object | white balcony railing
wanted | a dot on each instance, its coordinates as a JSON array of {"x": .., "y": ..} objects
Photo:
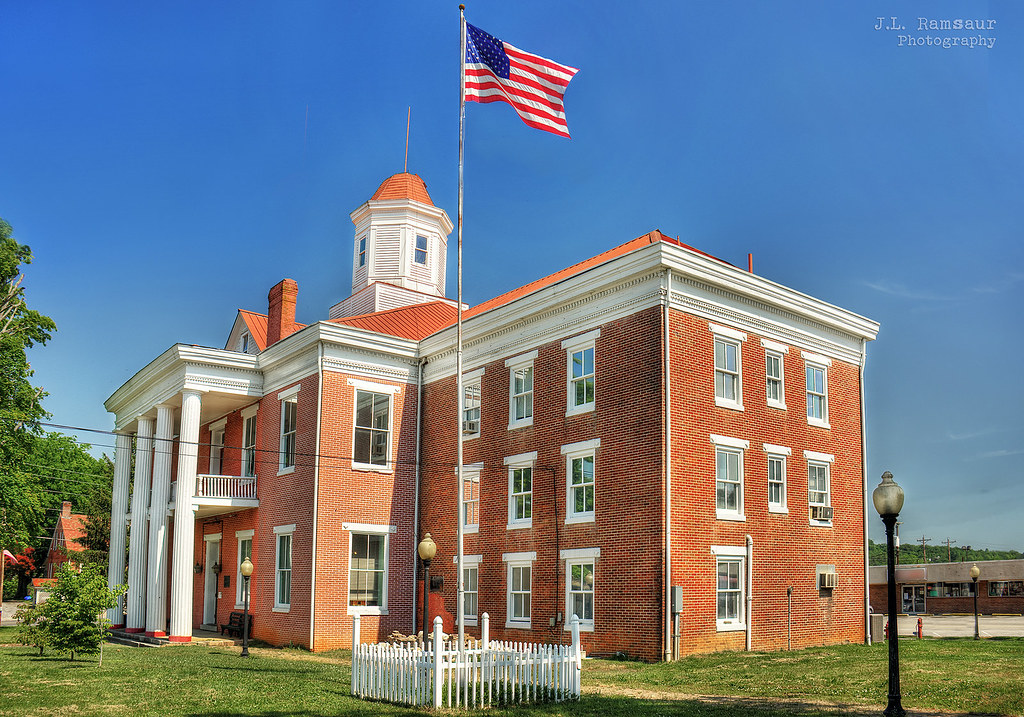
[{"x": 211, "y": 486}]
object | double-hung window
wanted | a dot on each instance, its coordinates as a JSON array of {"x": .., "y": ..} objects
[
  {"x": 368, "y": 568},
  {"x": 819, "y": 489},
  {"x": 217, "y": 447},
  {"x": 519, "y": 576},
  {"x": 816, "y": 369},
  {"x": 580, "y": 372},
  {"x": 471, "y": 497},
  {"x": 283, "y": 568},
  {"x": 471, "y": 404},
  {"x": 729, "y": 477},
  {"x": 579, "y": 469},
  {"x": 774, "y": 354},
  {"x": 776, "y": 456},
  {"x": 244, "y": 551},
  {"x": 420, "y": 253},
  {"x": 289, "y": 417},
  {"x": 361, "y": 252},
  {"x": 728, "y": 366},
  {"x": 249, "y": 442},
  {"x": 371, "y": 447},
  {"x": 579, "y": 586},
  {"x": 729, "y": 591},
  {"x": 520, "y": 490},
  {"x": 470, "y": 586},
  {"x": 521, "y": 390}
]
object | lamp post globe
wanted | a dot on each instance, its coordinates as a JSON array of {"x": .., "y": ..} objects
[
  {"x": 427, "y": 549},
  {"x": 975, "y": 574},
  {"x": 888, "y": 500},
  {"x": 246, "y": 569}
]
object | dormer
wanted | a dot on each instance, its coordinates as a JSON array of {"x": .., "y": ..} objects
[{"x": 401, "y": 238}]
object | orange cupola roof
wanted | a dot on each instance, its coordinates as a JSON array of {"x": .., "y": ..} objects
[{"x": 403, "y": 186}]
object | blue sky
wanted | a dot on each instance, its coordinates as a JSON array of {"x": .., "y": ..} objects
[{"x": 169, "y": 162}]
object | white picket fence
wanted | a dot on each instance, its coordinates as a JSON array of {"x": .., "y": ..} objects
[{"x": 482, "y": 674}]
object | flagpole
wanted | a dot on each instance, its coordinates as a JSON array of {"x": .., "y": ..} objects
[{"x": 458, "y": 332}]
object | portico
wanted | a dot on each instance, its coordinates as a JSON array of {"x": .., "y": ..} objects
[{"x": 160, "y": 411}]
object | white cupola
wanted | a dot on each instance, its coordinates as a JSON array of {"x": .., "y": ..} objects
[{"x": 401, "y": 242}]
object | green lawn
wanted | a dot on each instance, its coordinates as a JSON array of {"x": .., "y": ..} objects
[{"x": 952, "y": 675}]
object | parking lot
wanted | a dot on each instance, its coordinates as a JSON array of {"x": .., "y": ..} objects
[{"x": 962, "y": 625}]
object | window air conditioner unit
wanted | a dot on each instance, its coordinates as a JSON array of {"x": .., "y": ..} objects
[
  {"x": 826, "y": 581},
  {"x": 470, "y": 427},
  {"x": 821, "y": 512}
]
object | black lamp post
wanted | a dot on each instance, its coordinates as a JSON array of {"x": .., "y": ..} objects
[
  {"x": 888, "y": 500},
  {"x": 246, "y": 570},
  {"x": 427, "y": 549},
  {"x": 975, "y": 574}
]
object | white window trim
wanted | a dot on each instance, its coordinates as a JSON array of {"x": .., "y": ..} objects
[
  {"x": 290, "y": 392},
  {"x": 473, "y": 469},
  {"x": 742, "y": 446},
  {"x": 570, "y": 346},
  {"x": 369, "y": 529},
  {"x": 468, "y": 381},
  {"x": 522, "y": 460},
  {"x": 369, "y": 387},
  {"x": 782, "y": 507},
  {"x": 289, "y": 396},
  {"x": 240, "y": 535},
  {"x": 250, "y": 411},
  {"x": 473, "y": 561},
  {"x": 517, "y": 560},
  {"x": 578, "y": 556},
  {"x": 512, "y": 364},
  {"x": 731, "y": 553},
  {"x": 824, "y": 363},
  {"x": 280, "y": 530},
  {"x": 771, "y": 347},
  {"x": 582, "y": 449},
  {"x": 734, "y": 337},
  {"x": 219, "y": 425},
  {"x": 826, "y": 459}
]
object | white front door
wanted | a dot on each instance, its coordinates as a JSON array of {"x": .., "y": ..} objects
[{"x": 210, "y": 584}]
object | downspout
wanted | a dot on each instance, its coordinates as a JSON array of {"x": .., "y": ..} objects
[
  {"x": 750, "y": 586},
  {"x": 316, "y": 488},
  {"x": 416, "y": 499},
  {"x": 668, "y": 652},
  {"x": 867, "y": 500}
]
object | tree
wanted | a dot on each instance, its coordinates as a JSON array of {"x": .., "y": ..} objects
[
  {"x": 21, "y": 407},
  {"x": 73, "y": 619}
]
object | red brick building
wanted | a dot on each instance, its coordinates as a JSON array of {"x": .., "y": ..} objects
[
  {"x": 67, "y": 532},
  {"x": 654, "y": 439},
  {"x": 944, "y": 588}
]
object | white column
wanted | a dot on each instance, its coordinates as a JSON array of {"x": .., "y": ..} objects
[
  {"x": 182, "y": 577},
  {"x": 118, "y": 529},
  {"x": 139, "y": 536},
  {"x": 156, "y": 584}
]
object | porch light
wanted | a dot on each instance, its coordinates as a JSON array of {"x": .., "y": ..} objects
[{"x": 198, "y": 568}]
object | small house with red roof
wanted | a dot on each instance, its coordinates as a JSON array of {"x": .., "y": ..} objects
[
  {"x": 68, "y": 531},
  {"x": 666, "y": 445}
]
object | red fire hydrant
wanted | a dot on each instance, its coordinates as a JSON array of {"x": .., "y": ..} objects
[
  {"x": 886, "y": 629},
  {"x": 920, "y": 628}
]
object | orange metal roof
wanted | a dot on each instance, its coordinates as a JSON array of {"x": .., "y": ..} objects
[
  {"x": 257, "y": 324},
  {"x": 72, "y": 529},
  {"x": 403, "y": 186},
  {"x": 408, "y": 322},
  {"x": 650, "y": 238}
]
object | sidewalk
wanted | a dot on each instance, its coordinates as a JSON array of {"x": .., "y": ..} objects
[
  {"x": 10, "y": 607},
  {"x": 962, "y": 625}
]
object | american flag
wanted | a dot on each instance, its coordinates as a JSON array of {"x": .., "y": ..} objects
[{"x": 498, "y": 72}]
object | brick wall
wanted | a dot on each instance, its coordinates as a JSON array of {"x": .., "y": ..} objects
[{"x": 987, "y": 605}]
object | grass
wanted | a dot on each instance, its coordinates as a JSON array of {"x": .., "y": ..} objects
[{"x": 952, "y": 675}]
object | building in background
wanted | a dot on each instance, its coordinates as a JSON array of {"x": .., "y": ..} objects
[
  {"x": 943, "y": 588},
  {"x": 64, "y": 545},
  {"x": 655, "y": 440}
]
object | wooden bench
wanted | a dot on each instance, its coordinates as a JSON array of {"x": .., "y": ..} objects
[{"x": 234, "y": 625}]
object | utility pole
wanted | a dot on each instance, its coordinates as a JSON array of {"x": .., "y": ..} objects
[
  {"x": 967, "y": 553},
  {"x": 949, "y": 550},
  {"x": 897, "y": 542},
  {"x": 924, "y": 549}
]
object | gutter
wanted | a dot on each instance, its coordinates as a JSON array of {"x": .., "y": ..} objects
[
  {"x": 668, "y": 652},
  {"x": 316, "y": 487},
  {"x": 416, "y": 499},
  {"x": 867, "y": 499}
]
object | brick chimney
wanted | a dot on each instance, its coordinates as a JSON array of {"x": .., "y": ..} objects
[
  {"x": 281, "y": 310},
  {"x": 65, "y": 509}
]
